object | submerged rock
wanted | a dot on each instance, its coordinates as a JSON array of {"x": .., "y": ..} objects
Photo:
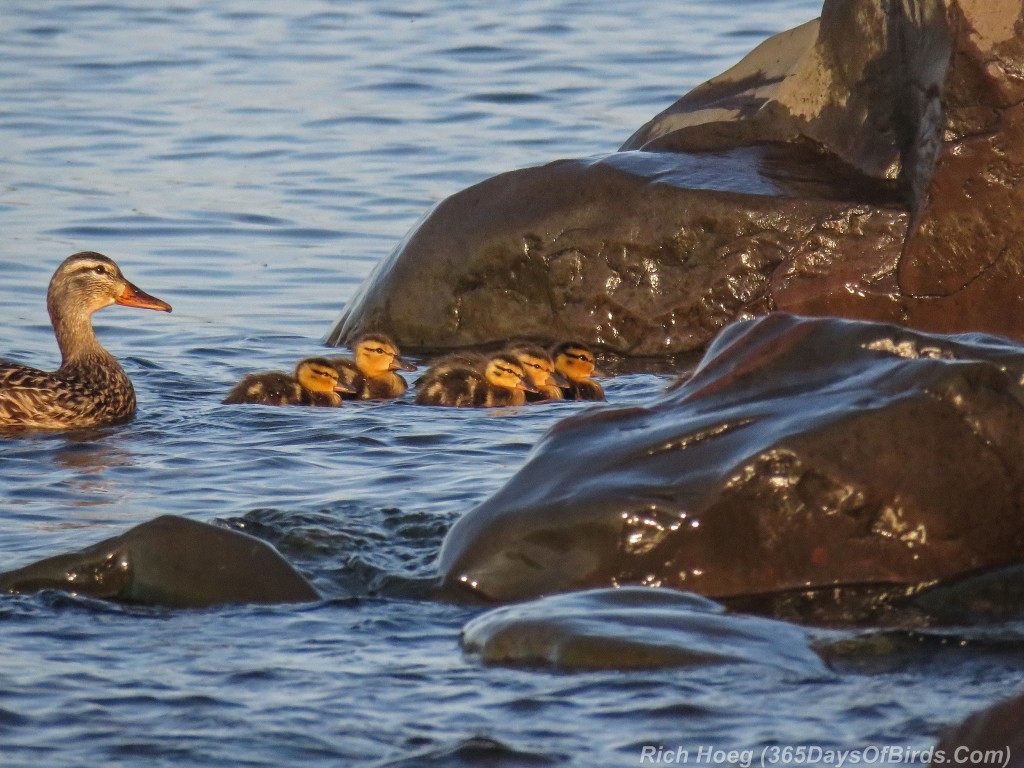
[
  {"x": 170, "y": 561},
  {"x": 634, "y": 628},
  {"x": 803, "y": 453},
  {"x": 785, "y": 183}
]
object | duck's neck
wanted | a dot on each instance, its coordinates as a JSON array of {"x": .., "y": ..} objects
[{"x": 75, "y": 337}]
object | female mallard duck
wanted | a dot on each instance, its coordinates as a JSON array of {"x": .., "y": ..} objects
[
  {"x": 371, "y": 375},
  {"x": 90, "y": 388},
  {"x": 576, "y": 362},
  {"x": 315, "y": 382},
  {"x": 452, "y": 382},
  {"x": 540, "y": 370}
]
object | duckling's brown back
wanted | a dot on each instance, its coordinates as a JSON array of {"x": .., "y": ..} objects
[
  {"x": 273, "y": 388},
  {"x": 451, "y": 385},
  {"x": 583, "y": 389}
]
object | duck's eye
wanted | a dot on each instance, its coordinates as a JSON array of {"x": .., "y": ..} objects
[
  {"x": 379, "y": 351},
  {"x": 99, "y": 269}
]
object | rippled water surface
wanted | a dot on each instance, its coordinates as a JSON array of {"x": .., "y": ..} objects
[{"x": 249, "y": 162}]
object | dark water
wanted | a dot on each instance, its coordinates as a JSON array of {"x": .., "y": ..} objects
[{"x": 250, "y": 163}]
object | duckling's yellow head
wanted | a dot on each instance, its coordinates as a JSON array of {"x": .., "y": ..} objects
[
  {"x": 376, "y": 355},
  {"x": 574, "y": 360},
  {"x": 539, "y": 368},
  {"x": 505, "y": 371},
  {"x": 317, "y": 375}
]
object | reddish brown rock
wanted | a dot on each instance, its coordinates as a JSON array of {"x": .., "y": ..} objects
[
  {"x": 170, "y": 561},
  {"x": 784, "y": 183},
  {"x": 542, "y": 256},
  {"x": 803, "y": 453},
  {"x": 993, "y": 737}
]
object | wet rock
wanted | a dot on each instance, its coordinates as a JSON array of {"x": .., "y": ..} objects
[
  {"x": 616, "y": 252},
  {"x": 633, "y": 628},
  {"x": 473, "y": 752},
  {"x": 963, "y": 263},
  {"x": 992, "y": 737},
  {"x": 170, "y": 561},
  {"x": 786, "y": 183},
  {"x": 802, "y": 453}
]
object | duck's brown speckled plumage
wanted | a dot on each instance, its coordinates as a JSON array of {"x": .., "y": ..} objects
[
  {"x": 314, "y": 383},
  {"x": 90, "y": 388},
  {"x": 371, "y": 375},
  {"x": 457, "y": 382},
  {"x": 575, "y": 361}
]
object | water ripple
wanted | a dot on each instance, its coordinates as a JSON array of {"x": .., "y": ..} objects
[{"x": 251, "y": 164}]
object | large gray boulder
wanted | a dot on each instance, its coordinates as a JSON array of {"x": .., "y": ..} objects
[{"x": 868, "y": 164}]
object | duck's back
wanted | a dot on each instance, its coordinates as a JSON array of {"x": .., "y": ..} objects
[
  {"x": 72, "y": 396},
  {"x": 495, "y": 397},
  {"x": 586, "y": 389},
  {"x": 463, "y": 386},
  {"x": 273, "y": 388},
  {"x": 451, "y": 385}
]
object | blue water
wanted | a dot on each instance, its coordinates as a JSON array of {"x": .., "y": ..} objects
[{"x": 250, "y": 162}]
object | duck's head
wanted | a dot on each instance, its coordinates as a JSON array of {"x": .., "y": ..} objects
[
  {"x": 377, "y": 355},
  {"x": 538, "y": 365},
  {"x": 505, "y": 371},
  {"x": 317, "y": 375},
  {"x": 89, "y": 281},
  {"x": 575, "y": 361}
]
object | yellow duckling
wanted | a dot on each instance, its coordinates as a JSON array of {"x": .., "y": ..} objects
[
  {"x": 576, "y": 362},
  {"x": 540, "y": 370},
  {"x": 371, "y": 375},
  {"x": 502, "y": 382},
  {"x": 90, "y": 388},
  {"x": 315, "y": 382}
]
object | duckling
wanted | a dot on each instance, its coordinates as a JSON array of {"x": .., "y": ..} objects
[
  {"x": 540, "y": 370},
  {"x": 576, "y": 362},
  {"x": 503, "y": 382},
  {"x": 371, "y": 375},
  {"x": 315, "y": 382},
  {"x": 90, "y": 388}
]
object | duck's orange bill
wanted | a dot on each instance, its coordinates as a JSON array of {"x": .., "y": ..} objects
[{"x": 133, "y": 296}]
